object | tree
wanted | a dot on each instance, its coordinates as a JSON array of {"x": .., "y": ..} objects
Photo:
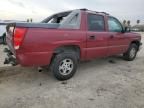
[
  {"x": 124, "y": 21},
  {"x": 27, "y": 20},
  {"x": 138, "y": 21},
  {"x": 128, "y": 22},
  {"x": 128, "y": 25},
  {"x": 31, "y": 20}
]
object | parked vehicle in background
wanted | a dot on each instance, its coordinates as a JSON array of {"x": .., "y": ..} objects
[
  {"x": 62, "y": 40},
  {"x": 3, "y": 25},
  {"x": 138, "y": 28},
  {"x": 2, "y": 33},
  {"x": 135, "y": 29}
]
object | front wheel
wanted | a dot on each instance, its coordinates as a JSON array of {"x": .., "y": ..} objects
[
  {"x": 64, "y": 65},
  {"x": 131, "y": 53}
]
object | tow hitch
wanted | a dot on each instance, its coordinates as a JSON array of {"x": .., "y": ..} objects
[{"x": 10, "y": 59}]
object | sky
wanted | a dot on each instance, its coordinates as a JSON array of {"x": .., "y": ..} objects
[{"x": 40, "y": 9}]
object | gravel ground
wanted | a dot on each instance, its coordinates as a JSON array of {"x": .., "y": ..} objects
[
  {"x": 102, "y": 83},
  {"x": 2, "y": 56}
]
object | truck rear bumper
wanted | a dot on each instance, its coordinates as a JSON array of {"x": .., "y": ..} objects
[
  {"x": 28, "y": 59},
  {"x": 10, "y": 59},
  {"x": 34, "y": 58}
]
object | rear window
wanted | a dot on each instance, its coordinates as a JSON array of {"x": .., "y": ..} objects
[
  {"x": 66, "y": 20},
  {"x": 72, "y": 21},
  {"x": 96, "y": 23}
]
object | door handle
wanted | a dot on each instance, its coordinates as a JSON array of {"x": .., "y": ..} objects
[
  {"x": 92, "y": 37},
  {"x": 121, "y": 37},
  {"x": 111, "y": 36}
]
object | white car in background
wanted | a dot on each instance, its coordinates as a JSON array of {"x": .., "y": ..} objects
[
  {"x": 2, "y": 32},
  {"x": 3, "y": 25}
]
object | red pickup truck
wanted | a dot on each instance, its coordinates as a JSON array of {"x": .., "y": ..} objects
[{"x": 63, "y": 39}]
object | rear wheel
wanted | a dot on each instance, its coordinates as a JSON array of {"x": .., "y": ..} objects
[
  {"x": 131, "y": 53},
  {"x": 64, "y": 65}
]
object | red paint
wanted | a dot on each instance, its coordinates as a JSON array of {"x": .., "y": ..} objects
[{"x": 38, "y": 44}]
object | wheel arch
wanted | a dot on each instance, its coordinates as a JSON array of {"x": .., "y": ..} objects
[
  {"x": 136, "y": 42},
  {"x": 65, "y": 48}
]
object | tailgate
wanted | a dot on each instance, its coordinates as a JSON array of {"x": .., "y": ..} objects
[
  {"x": 9, "y": 37},
  {"x": 16, "y": 33}
]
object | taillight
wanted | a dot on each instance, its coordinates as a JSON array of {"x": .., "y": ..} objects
[{"x": 19, "y": 34}]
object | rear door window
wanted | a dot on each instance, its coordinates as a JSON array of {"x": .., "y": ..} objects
[{"x": 96, "y": 23}]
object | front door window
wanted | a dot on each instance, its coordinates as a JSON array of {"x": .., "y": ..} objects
[{"x": 114, "y": 25}]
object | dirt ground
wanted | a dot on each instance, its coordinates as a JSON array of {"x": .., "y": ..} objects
[{"x": 100, "y": 83}]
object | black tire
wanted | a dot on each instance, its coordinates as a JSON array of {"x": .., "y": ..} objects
[
  {"x": 128, "y": 56},
  {"x": 58, "y": 62}
]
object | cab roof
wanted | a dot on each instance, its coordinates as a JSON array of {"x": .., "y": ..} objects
[{"x": 90, "y": 11}]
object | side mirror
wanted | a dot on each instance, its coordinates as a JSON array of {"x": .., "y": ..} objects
[{"x": 126, "y": 29}]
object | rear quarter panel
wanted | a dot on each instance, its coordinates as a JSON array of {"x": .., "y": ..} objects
[{"x": 39, "y": 44}]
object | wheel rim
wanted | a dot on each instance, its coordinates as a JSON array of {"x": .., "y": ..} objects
[
  {"x": 66, "y": 66},
  {"x": 132, "y": 53}
]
